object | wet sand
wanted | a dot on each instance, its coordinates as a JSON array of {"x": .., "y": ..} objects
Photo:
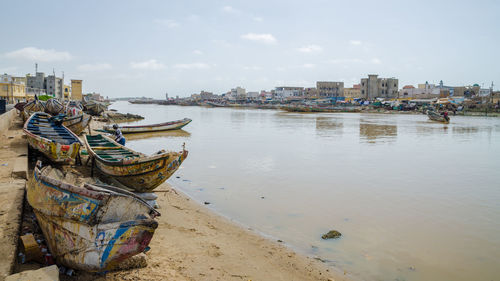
[{"x": 193, "y": 243}]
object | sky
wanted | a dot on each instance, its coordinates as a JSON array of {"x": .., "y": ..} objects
[{"x": 149, "y": 48}]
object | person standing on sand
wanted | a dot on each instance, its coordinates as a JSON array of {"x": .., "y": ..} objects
[{"x": 119, "y": 138}]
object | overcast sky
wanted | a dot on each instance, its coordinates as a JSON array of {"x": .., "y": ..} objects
[{"x": 147, "y": 48}]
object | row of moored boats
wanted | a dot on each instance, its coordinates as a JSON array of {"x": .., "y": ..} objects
[{"x": 95, "y": 226}]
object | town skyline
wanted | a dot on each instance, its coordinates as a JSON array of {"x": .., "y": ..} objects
[{"x": 149, "y": 49}]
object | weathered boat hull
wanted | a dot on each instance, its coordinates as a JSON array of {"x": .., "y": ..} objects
[
  {"x": 95, "y": 248},
  {"x": 77, "y": 123},
  {"x": 139, "y": 172},
  {"x": 174, "y": 125},
  {"x": 90, "y": 228},
  {"x": 32, "y": 107},
  {"x": 53, "y": 107},
  {"x": 438, "y": 118},
  {"x": 55, "y": 147}
]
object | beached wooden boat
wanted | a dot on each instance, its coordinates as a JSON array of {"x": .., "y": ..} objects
[
  {"x": 95, "y": 108},
  {"x": 32, "y": 107},
  {"x": 434, "y": 116},
  {"x": 77, "y": 123},
  {"x": 90, "y": 227},
  {"x": 53, "y": 107},
  {"x": 172, "y": 125},
  {"x": 134, "y": 170},
  {"x": 53, "y": 140}
]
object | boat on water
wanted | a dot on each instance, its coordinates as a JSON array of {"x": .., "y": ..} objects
[
  {"x": 136, "y": 171},
  {"x": 77, "y": 123},
  {"x": 89, "y": 227},
  {"x": 434, "y": 116},
  {"x": 172, "y": 125},
  {"x": 51, "y": 138}
]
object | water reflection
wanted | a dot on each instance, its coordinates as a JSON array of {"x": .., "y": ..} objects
[
  {"x": 430, "y": 131},
  {"x": 373, "y": 133},
  {"x": 327, "y": 126}
]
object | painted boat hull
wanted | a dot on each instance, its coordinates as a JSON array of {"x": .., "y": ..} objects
[
  {"x": 90, "y": 228},
  {"x": 141, "y": 173},
  {"x": 437, "y": 118},
  {"x": 32, "y": 107},
  {"x": 77, "y": 123},
  {"x": 174, "y": 125},
  {"x": 52, "y": 149},
  {"x": 53, "y": 107}
]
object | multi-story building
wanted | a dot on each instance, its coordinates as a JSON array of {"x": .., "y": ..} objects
[
  {"x": 206, "y": 95},
  {"x": 12, "y": 89},
  {"x": 237, "y": 93},
  {"x": 374, "y": 87},
  {"x": 286, "y": 92},
  {"x": 37, "y": 81},
  {"x": 67, "y": 92},
  {"x": 353, "y": 93},
  {"x": 330, "y": 89},
  {"x": 424, "y": 91},
  {"x": 54, "y": 86},
  {"x": 76, "y": 90}
]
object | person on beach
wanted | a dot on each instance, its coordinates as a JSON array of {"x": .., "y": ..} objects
[{"x": 119, "y": 138}]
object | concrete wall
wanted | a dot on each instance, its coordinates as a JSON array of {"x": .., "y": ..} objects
[{"x": 6, "y": 119}]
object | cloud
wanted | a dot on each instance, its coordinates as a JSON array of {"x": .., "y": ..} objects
[
  {"x": 167, "y": 23},
  {"x": 196, "y": 65},
  {"x": 308, "y": 65},
  {"x": 149, "y": 64},
  {"x": 355, "y": 60},
  {"x": 355, "y": 42},
  {"x": 258, "y": 19},
  {"x": 35, "y": 54},
  {"x": 229, "y": 9},
  {"x": 310, "y": 49},
  {"x": 193, "y": 17},
  {"x": 94, "y": 67},
  {"x": 197, "y": 52},
  {"x": 252, "y": 68},
  {"x": 262, "y": 37}
]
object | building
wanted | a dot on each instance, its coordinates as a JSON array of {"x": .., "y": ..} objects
[
  {"x": 54, "y": 86},
  {"x": 237, "y": 93},
  {"x": 374, "y": 87},
  {"x": 76, "y": 90},
  {"x": 330, "y": 89},
  {"x": 287, "y": 92},
  {"x": 353, "y": 93},
  {"x": 11, "y": 89},
  {"x": 423, "y": 91},
  {"x": 37, "y": 81},
  {"x": 253, "y": 95},
  {"x": 206, "y": 95},
  {"x": 67, "y": 92}
]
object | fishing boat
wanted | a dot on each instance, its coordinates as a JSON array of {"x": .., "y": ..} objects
[
  {"x": 434, "y": 116},
  {"x": 77, "y": 123},
  {"x": 51, "y": 138},
  {"x": 89, "y": 227},
  {"x": 32, "y": 107},
  {"x": 95, "y": 108},
  {"x": 172, "y": 125},
  {"x": 53, "y": 107},
  {"x": 133, "y": 169}
]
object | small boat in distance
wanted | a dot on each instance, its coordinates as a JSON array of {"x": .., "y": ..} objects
[
  {"x": 434, "y": 116},
  {"x": 172, "y": 125},
  {"x": 133, "y": 169},
  {"x": 90, "y": 227},
  {"x": 51, "y": 138}
]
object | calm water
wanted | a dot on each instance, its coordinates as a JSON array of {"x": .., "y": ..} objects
[{"x": 413, "y": 199}]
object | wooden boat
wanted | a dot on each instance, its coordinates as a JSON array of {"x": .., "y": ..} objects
[
  {"x": 434, "y": 116},
  {"x": 32, "y": 107},
  {"x": 172, "y": 125},
  {"x": 95, "y": 108},
  {"x": 91, "y": 228},
  {"x": 134, "y": 170},
  {"x": 53, "y": 107},
  {"x": 77, "y": 123},
  {"x": 53, "y": 140}
]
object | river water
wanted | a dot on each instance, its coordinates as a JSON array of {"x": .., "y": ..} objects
[{"x": 413, "y": 199}]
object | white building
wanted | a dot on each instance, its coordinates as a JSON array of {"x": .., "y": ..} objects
[{"x": 286, "y": 92}]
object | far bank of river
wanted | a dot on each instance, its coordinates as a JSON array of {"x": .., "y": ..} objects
[{"x": 414, "y": 199}]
